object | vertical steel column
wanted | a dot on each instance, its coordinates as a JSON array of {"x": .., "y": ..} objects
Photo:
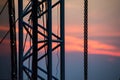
[
  {"x": 11, "y": 8},
  {"x": 36, "y": 5},
  {"x": 62, "y": 34},
  {"x": 49, "y": 28},
  {"x": 20, "y": 12},
  {"x": 35, "y": 39},
  {"x": 85, "y": 39}
]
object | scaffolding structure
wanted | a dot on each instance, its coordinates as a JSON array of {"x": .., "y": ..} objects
[
  {"x": 40, "y": 36},
  {"x": 11, "y": 8},
  {"x": 37, "y": 40}
]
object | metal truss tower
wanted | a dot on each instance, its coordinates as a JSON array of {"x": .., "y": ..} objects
[
  {"x": 11, "y": 9},
  {"x": 37, "y": 40}
]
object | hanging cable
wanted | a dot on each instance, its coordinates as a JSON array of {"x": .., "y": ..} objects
[
  {"x": 4, "y": 36},
  {"x": 57, "y": 52},
  {"x": 3, "y": 7},
  {"x": 45, "y": 48}
]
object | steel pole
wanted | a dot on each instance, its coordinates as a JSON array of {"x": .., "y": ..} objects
[
  {"x": 62, "y": 34},
  {"x": 11, "y": 9},
  {"x": 20, "y": 12},
  {"x": 35, "y": 39},
  {"x": 49, "y": 30}
]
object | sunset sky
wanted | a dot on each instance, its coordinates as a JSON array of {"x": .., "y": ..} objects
[
  {"x": 103, "y": 26},
  {"x": 103, "y": 38}
]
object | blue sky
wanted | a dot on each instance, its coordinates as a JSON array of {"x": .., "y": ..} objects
[{"x": 104, "y": 37}]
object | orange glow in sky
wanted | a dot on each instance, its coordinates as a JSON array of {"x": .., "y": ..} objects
[
  {"x": 103, "y": 29},
  {"x": 74, "y": 44}
]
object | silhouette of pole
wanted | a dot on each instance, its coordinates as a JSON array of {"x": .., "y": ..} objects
[
  {"x": 11, "y": 8},
  {"x": 20, "y": 12},
  {"x": 85, "y": 39},
  {"x": 49, "y": 29},
  {"x": 62, "y": 34},
  {"x": 35, "y": 39},
  {"x": 36, "y": 10}
]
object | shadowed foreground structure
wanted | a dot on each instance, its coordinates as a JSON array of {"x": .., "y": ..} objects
[
  {"x": 37, "y": 40},
  {"x": 38, "y": 28}
]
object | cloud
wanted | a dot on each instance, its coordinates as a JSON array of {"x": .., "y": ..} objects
[
  {"x": 103, "y": 24},
  {"x": 107, "y": 14},
  {"x": 4, "y": 28},
  {"x": 99, "y": 43},
  {"x": 74, "y": 12},
  {"x": 97, "y": 47}
]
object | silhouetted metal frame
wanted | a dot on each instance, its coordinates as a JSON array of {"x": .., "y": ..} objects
[
  {"x": 35, "y": 38},
  {"x": 62, "y": 45},
  {"x": 48, "y": 42},
  {"x": 11, "y": 9},
  {"x": 20, "y": 13}
]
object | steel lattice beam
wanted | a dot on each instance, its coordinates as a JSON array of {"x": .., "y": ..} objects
[
  {"x": 35, "y": 39},
  {"x": 12, "y": 24},
  {"x": 39, "y": 40}
]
